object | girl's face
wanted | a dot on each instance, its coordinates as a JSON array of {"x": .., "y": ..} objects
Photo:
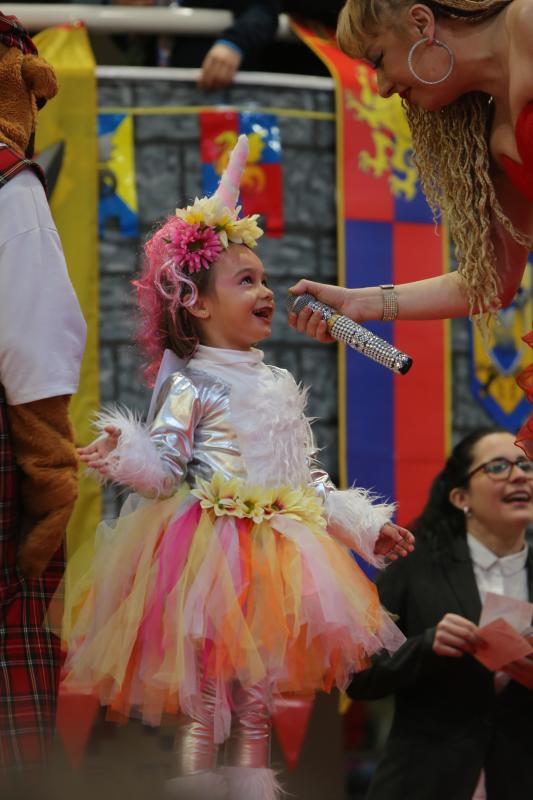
[
  {"x": 238, "y": 309},
  {"x": 498, "y": 502}
]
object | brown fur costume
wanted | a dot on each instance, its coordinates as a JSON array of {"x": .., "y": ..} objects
[
  {"x": 42, "y": 437},
  {"x": 23, "y": 79}
]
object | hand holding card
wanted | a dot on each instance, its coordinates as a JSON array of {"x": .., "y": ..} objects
[{"x": 504, "y": 627}]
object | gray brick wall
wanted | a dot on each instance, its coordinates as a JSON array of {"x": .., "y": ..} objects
[{"x": 168, "y": 174}]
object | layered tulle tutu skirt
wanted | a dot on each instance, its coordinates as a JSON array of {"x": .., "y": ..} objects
[{"x": 207, "y": 586}]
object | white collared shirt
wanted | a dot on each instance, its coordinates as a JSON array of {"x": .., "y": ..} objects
[{"x": 506, "y": 575}]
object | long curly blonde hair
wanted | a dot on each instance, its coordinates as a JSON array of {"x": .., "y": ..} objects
[{"x": 450, "y": 148}]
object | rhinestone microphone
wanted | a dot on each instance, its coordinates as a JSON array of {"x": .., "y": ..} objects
[{"x": 344, "y": 329}]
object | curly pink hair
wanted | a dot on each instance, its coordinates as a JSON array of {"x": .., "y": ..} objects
[{"x": 164, "y": 293}]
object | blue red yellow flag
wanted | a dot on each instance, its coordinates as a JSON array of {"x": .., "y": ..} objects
[{"x": 261, "y": 186}]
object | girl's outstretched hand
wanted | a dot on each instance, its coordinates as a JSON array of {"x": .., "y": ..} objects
[
  {"x": 394, "y": 542},
  {"x": 95, "y": 454}
]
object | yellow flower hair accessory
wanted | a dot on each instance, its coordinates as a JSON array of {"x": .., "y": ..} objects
[{"x": 208, "y": 213}]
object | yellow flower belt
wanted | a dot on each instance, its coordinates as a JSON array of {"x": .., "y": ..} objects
[{"x": 236, "y": 498}]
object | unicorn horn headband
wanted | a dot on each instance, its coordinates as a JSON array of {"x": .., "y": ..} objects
[
  {"x": 210, "y": 224},
  {"x": 228, "y": 188}
]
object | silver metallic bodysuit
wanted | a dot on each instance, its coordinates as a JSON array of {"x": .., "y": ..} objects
[{"x": 243, "y": 420}]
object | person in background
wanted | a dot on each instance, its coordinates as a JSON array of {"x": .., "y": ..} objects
[
  {"x": 255, "y": 25},
  {"x": 240, "y": 45},
  {"x": 459, "y": 730},
  {"x": 250, "y": 42}
]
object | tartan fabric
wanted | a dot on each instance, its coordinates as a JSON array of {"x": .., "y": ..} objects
[
  {"x": 30, "y": 656},
  {"x": 11, "y": 164},
  {"x": 12, "y": 34}
]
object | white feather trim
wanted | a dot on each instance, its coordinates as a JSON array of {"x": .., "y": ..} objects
[
  {"x": 252, "y": 783},
  {"x": 274, "y": 434},
  {"x": 355, "y": 519},
  {"x": 135, "y": 461},
  {"x": 200, "y": 786}
]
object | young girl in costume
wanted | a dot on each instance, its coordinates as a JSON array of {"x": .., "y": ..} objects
[{"x": 228, "y": 577}]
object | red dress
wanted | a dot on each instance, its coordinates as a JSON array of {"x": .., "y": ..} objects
[{"x": 522, "y": 177}]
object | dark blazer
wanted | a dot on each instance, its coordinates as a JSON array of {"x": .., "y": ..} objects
[{"x": 449, "y": 723}]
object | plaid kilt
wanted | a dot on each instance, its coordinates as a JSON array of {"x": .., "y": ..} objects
[{"x": 30, "y": 656}]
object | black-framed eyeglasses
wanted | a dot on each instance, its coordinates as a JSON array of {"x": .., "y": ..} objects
[{"x": 499, "y": 469}]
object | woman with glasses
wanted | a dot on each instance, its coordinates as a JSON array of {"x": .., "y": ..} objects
[{"x": 459, "y": 731}]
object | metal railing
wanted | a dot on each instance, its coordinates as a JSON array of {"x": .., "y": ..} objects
[{"x": 131, "y": 19}]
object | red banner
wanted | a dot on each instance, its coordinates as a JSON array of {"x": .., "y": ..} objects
[{"x": 290, "y": 718}]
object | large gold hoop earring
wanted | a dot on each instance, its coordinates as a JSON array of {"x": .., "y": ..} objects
[{"x": 439, "y": 44}]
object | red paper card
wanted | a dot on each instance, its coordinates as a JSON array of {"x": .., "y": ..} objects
[{"x": 503, "y": 645}]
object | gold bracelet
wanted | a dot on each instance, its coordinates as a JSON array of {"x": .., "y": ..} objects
[{"x": 390, "y": 302}]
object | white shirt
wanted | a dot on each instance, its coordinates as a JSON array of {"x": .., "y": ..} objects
[
  {"x": 506, "y": 575},
  {"x": 42, "y": 330},
  {"x": 234, "y": 367}
]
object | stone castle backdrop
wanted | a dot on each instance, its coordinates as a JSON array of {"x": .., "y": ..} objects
[{"x": 169, "y": 174}]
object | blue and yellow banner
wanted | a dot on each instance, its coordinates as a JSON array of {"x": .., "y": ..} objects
[{"x": 117, "y": 187}]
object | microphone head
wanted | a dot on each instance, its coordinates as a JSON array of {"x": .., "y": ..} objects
[
  {"x": 297, "y": 302},
  {"x": 404, "y": 364}
]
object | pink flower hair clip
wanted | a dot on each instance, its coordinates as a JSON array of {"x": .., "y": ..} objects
[{"x": 194, "y": 246}]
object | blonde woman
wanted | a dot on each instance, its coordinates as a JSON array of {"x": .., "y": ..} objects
[{"x": 464, "y": 69}]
